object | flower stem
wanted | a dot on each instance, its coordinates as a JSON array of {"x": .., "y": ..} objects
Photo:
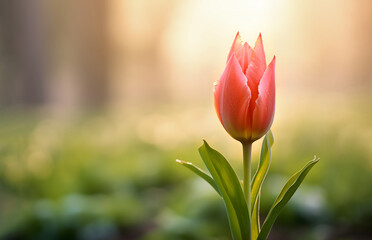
[{"x": 247, "y": 150}]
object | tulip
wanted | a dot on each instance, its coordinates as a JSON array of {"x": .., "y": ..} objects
[
  {"x": 245, "y": 93},
  {"x": 245, "y": 103}
]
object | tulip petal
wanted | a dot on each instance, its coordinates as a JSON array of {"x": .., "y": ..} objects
[
  {"x": 236, "y": 46},
  {"x": 243, "y": 52},
  {"x": 257, "y": 65},
  {"x": 232, "y": 97},
  {"x": 263, "y": 113},
  {"x": 246, "y": 57}
]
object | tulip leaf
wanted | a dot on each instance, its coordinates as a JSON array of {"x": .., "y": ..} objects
[
  {"x": 255, "y": 224},
  {"x": 200, "y": 173},
  {"x": 231, "y": 191},
  {"x": 258, "y": 178},
  {"x": 285, "y": 195}
]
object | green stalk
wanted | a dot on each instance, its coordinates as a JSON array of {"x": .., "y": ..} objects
[{"x": 247, "y": 150}]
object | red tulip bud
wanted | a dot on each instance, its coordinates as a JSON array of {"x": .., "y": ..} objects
[{"x": 244, "y": 96}]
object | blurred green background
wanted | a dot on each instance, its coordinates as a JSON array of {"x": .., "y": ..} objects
[{"x": 98, "y": 99}]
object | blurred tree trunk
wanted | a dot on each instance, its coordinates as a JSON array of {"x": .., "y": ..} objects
[
  {"x": 363, "y": 33},
  {"x": 23, "y": 53},
  {"x": 138, "y": 30},
  {"x": 51, "y": 51},
  {"x": 87, "y": 21}
]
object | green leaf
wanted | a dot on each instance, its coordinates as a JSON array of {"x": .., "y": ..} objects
[
  {"x": 259, "y": 177},
  {"x": 255, "y": 225},
  {"x": 231, "y": 191},
  {"x": 200, "y": 173},
  {"x": 285, "y": 195}
]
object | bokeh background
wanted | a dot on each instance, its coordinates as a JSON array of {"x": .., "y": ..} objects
[{"x": 98, "y": 99}]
